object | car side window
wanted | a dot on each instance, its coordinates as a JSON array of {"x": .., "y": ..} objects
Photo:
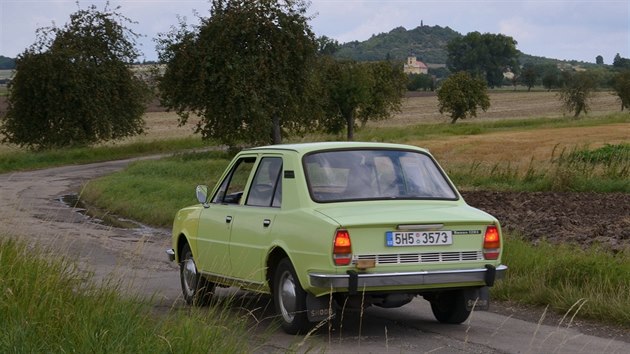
[
  {"x": 231, "y": 189},
  {"x": 265, "y": 187}
]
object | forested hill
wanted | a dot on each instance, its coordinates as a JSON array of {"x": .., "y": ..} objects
[
  {"x": 6, "y": 63},
  {"x": 425, "y": 42}
]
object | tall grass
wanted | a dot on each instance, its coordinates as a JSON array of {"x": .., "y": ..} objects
[
  {"x": 563, "y": 275},
  {"x": 606, "y": 169},
  {"x": 47, "y": 305}
]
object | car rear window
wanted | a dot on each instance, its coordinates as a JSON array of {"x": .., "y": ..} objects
[{"x": 345, "y": 175}]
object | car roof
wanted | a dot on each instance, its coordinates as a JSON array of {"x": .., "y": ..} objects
[{"x": 304, "y": 148}]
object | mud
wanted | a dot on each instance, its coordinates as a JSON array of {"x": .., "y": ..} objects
[{"x": 585, "y": 219}]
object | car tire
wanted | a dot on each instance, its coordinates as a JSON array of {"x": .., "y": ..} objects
[
  {"x": 450, "y": 307},
  {"x": 289, "y": 299},
  {"x": 197, "y": 290}
]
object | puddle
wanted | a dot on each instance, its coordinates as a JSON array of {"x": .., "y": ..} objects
[{"x": 98, "y": 216}]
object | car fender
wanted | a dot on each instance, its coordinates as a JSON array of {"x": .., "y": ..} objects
[{"x": 186, "y": 225}]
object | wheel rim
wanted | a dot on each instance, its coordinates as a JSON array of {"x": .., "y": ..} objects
[
  {"x": 189, "y": 275},
  {"x": 287, "y": 296}
]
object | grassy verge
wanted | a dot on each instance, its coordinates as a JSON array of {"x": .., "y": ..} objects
[
  {"x": 47, "y": 306},
  {"x": 28, "y": 160},
  {"x": 590, "y": 283},
  {"x": 151, "y": 192},
  {"x": 605, "y": 169}
]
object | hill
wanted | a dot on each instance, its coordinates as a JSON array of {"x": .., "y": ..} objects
[
  {"x": 427, "y": 43},
  {"x": 6, "y": 63}
]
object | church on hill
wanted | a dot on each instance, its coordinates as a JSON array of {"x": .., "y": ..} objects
[{"x": 414, "y": 66}]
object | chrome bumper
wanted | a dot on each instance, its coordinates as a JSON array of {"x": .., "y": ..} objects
[
  {"x": 356, "y": 281},
  {"x": 171, "y": 254}
]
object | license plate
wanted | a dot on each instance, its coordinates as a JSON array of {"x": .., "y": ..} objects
[{"x": 418, "y": 238}]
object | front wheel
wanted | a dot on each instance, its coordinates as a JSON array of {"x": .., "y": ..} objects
[
  {"x": 289, "y": 299},
  {"x": 450, "y": 307},
  {"x": 196, "y": 289}
]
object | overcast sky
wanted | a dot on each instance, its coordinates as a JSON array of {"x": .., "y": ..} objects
[{"x": 560, "y": 29}]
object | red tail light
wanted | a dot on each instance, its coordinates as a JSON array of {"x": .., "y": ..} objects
[
  {"x": 491, "y": 243},
  {"x": 342, "y": 250}
]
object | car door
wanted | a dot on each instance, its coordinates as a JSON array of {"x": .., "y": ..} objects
[
  {"x": 216, "y": 221},
  {"x": 254, "y": 221}
]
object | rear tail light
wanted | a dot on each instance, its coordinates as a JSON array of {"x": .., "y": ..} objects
[
  {"x": 342, "y": 249},
  {"x": 491, "y": 243}
]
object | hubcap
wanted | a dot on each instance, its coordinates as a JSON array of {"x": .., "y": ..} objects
[
  {"x": 286, "y": 296},
  {"x": 189, "y": 275}
]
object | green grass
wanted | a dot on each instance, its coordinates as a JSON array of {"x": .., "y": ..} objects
[
  {"x": 604, "y": 170},
  {"x": 152, "y": 191},
  {"x": 29, "y": 160},
  {"x": 48, "y": 306},
  {"x": 564, "y": 275}
]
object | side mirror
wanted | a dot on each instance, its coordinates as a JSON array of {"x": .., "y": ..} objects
[{"x": 202, "y": 194}]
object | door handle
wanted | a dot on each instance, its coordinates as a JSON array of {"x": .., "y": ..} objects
[
  {"x": 228, "y": 219},
  {"x": 266, "y": 222}
]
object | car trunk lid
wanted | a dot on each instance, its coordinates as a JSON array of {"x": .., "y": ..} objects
[{"x": 373, "y": 230}]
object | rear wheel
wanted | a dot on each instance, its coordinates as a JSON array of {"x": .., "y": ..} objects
[
  {"x": 450, "y": 307},
  {"x": 196, "y": 289},
  {"x": 289, "y": 299}
]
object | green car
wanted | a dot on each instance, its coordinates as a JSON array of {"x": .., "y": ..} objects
[{"x": 322, "y": 226}]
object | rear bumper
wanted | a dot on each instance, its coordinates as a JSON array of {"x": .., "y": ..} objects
[{"x": 353, "y": 280}]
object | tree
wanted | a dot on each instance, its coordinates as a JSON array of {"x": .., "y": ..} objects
[
  {"x": 74, "y": 86},
  {"x": 529, "y": 76},
  {"x": 621, "y": 86},
  {"x": 621, "y": 63},
  {"x": 461, "y": 94},
  {"x": 245, "y": 70},
  {"x": 416, "y": 82},
  {"x": 599, "y": 60},
  {"x": 327, "y": 46},
  {"x": 550, "y": 76},
  {"x": 359, "y": 92},
  {"x": 485, "y": 55},
  {"x": 577, "y": 92}
]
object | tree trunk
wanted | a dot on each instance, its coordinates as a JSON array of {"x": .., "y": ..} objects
[
  {"x": 276, "y": 133},
  {"x": 350, "y": 124}
]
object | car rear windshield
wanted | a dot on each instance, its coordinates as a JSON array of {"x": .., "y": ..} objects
[{"x": 374, "y": 174}]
